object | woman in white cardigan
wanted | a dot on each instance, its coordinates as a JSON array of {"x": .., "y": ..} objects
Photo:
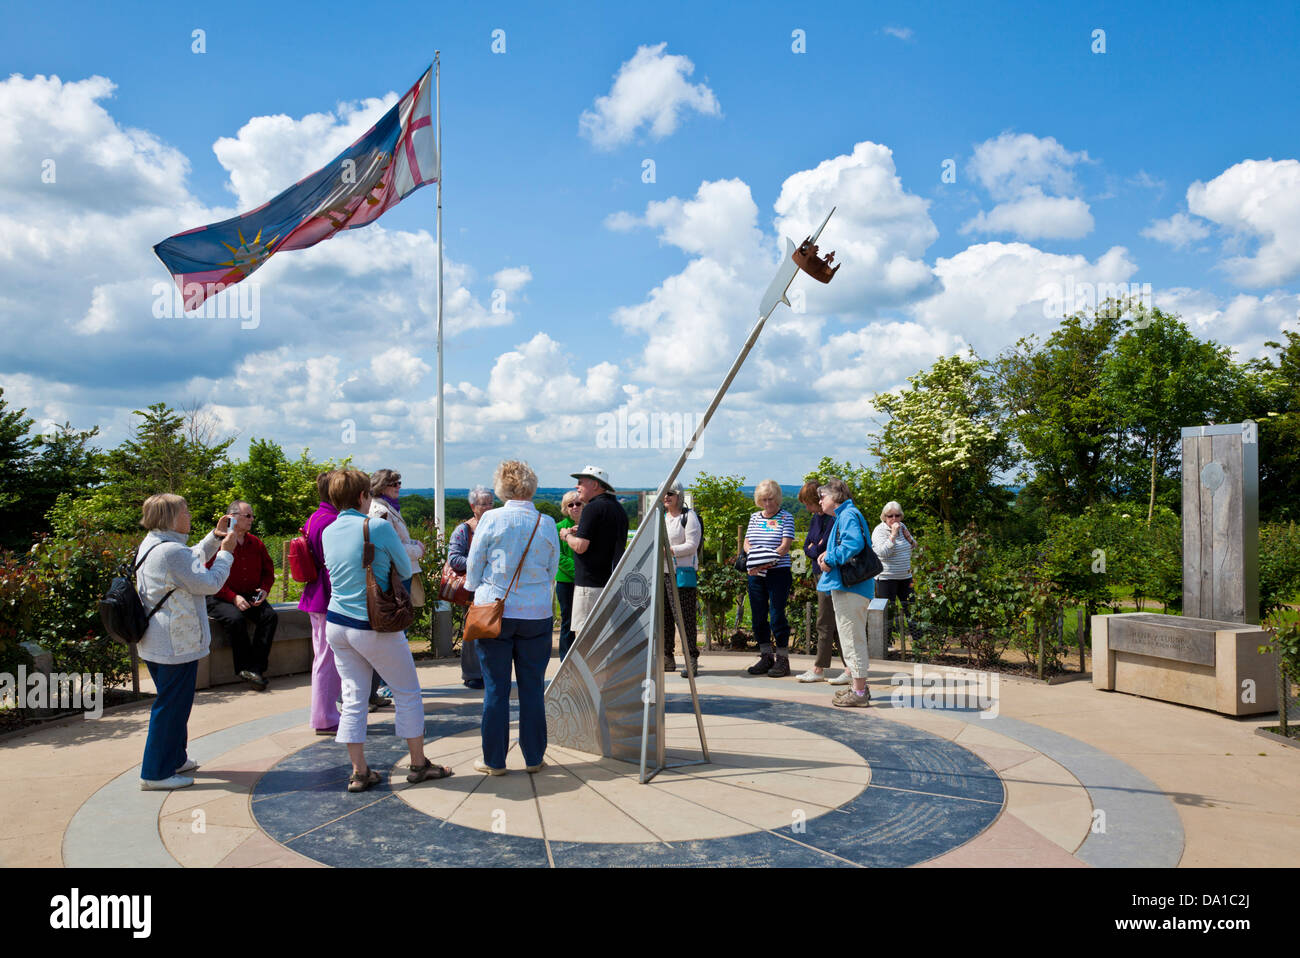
[
  {"x": 174, "y": 577},
  {"x": 893, "y": 543}
]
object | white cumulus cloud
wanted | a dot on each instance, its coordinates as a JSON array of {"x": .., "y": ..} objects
[
  {"x": 651, "y": 90},
  {"x": 1021, "y": 171},
  {"x": 1178, "y": 231},
  {"x": 1035, "y": 216},
  {"x": 1259, "y": 199}
]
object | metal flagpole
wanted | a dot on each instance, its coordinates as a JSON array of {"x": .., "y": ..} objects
[{"x": 440, "y": 507}]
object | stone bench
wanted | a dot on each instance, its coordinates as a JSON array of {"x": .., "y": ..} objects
[
  {"x": 1199, "y": 662},
  {"x": 290, "y": 649}
]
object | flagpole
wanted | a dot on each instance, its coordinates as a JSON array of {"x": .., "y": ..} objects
[{"x": 440, "y": 490}]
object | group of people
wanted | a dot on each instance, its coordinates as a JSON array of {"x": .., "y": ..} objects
[
  {"x": 837, "y": 534},
  {"x": 513, "y": 554}
]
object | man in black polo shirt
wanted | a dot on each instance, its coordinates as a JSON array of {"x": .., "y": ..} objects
[{"x": 597, "y": 541}]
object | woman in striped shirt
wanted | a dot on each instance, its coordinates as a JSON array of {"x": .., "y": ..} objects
[
  {"x": 768, "y": 542},
  {"x": 893, "y": 543}
]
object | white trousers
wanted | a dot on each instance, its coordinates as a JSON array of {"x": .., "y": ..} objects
[
  {"x": 584, "y": 600},
  {"x": 357, "y": 653},
  {"x": 851, "y": 622}
]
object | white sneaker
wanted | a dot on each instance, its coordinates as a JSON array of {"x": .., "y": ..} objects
[
  {"x": 811, "y": 676},
  {"x": 189, "y": 766},
  {"x": 166, "y": 784},
  {"x": 844, "y": 678}
]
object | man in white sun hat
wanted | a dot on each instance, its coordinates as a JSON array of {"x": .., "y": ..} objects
[{"x": 597, "y": 540}]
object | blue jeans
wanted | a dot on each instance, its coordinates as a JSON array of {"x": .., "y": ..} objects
[
  {"x": 164, "y": 749},
  {"x": 564, "y": 595},
  {"x": 525, "y": 643},
  {"x": 767, "y": 598}
]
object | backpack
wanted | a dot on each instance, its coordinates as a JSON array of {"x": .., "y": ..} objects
[
  {"x": 699, "y": 552},
  {"x": 121, "y": 610},
  {"x": 302, "y": 564}
]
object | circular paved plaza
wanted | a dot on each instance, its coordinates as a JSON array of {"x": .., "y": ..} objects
[{"x": 790, "y": 781}]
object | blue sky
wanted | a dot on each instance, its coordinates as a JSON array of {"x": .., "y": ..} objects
[{"x": 1168, "y": 159}]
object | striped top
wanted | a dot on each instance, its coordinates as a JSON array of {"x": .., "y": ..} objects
[
  {"x": 765, "y": 533},
  {"x": 896, "y": 559}
]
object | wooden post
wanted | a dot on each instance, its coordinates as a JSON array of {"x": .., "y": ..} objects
[
  {"x": 1081, "y": 630},
  {"x": 135, "y": 671},
  {"x": 1283, "y": 687},
  {"x": 807, "y": 627},
  {"x": 1041, "y": 628},
  {"x": 284, "y": 571}
]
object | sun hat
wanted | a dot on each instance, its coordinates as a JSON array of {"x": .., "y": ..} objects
[{"x": 597, "y": 473}]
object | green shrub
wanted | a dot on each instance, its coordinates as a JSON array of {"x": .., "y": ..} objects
[
  {"x": 74, "y": 574},
  {"x": 1279, "y": 565},
  {"x": 719, "y": 586},
  {"x": 20, "y": 596}
]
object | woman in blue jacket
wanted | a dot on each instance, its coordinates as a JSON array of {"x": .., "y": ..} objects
[{"x": 849, "y": 535}]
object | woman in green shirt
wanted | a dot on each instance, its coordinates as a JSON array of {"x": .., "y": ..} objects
[{"x": 571, "y": 508}]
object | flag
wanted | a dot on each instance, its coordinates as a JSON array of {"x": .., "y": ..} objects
[{"x": 386, "y": 164}]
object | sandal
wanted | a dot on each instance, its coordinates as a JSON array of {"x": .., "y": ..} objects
[
  {"x": 427, "y": 772},
  {"x": 359, "y": 783}
]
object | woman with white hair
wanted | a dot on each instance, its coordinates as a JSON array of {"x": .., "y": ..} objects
[
  {"x": 480, "y": 501},
  {"x": 893, "y": 544},
  {"x": 848, "y": 538},
  {"x": 514, "y": 557}
]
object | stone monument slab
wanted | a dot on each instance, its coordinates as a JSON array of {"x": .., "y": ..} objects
[{"x": 1199, "y": 662}]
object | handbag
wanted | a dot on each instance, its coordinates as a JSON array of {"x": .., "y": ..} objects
[
  {"x": 484, "y": 621},
  {"x": 387, "y": 611},
  {"x": 451, "y": 588},
  {"x": 417, "y": 590},
  {"x": 861, "y": 567}
]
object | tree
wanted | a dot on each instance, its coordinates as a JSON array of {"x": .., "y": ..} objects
[
  {"x": 943, "y": 441},
  {"x": 722, "y": 507},
  {"x": 1058, "y": 414},
  {"x": 15, "y": 465},
  {"x": 1277, "y": 409},
  {"x": 167, "y": 452},
  {"x": 1158, "y": 378}
]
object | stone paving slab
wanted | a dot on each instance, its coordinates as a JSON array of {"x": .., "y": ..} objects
[{"x": 1198, "y": 776}]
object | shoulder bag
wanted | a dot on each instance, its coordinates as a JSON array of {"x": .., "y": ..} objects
[
  {"x": 863, "y": 566},
  {"x": 484, "y": 621},
  {"x": 387, "y": 611}
]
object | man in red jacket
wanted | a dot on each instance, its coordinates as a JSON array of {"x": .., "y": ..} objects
[{"x": 242, "y": 601}]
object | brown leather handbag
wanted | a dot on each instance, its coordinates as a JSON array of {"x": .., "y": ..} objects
[
  {"x": 387, "y": 611},
  {"x": 484, "y": 621}
]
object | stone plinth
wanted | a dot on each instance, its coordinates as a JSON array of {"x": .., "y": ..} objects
[
  {"x": 290, "y": 649},
  {"x": 877, "y": 623},
  {"x": 1200, "y": 662}
]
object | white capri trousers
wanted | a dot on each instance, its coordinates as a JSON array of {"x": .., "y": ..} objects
[
  {"x": 357, "y": 653},
  {"x": 851, "y": 621},
  {"x": 584, "y": 600}
]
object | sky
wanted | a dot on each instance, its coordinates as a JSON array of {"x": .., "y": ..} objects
[{"x": 617, "y": 183}]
